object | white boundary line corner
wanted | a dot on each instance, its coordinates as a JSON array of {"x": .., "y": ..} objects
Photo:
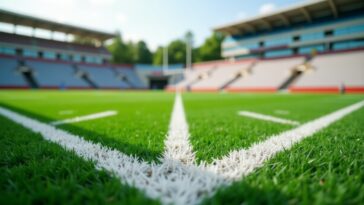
[
  {"x": 174, "y": 181},
  {"x": 242, "y": 162}
]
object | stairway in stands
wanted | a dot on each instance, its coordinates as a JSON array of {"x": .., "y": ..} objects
[
  {"x": 27, "y": 74},
  {"x": 84, "y": 76},
  {"x": 297, "y": 72},
  {"x": 237, "y": 76},
  {"x": 125, "y": 79},
  {"x": 293, "y": 78},
  {"x": 122, "y": 78},
  {"x": 201, "y": 77}
]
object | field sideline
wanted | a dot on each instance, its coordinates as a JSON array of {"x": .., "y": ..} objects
[{"x": 152, "y": 128}]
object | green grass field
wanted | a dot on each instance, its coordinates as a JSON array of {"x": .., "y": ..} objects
[{"x": 326, "y": 168}]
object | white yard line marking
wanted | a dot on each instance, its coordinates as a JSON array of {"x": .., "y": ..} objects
[
  {"x": 241, "y": 162},
  {"x": 282, "y": 112},
  {"x": 267, "y": 118},
  {"x": 66, "y": 112},
  {"x": 177, "y": 145},
  {"x": 171, "y": 182},
  {"x": 86, "y": 117}
]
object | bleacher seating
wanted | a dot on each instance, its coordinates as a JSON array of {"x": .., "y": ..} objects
[
  {"x": 331, "y": 71},
  {"x": 221, "y": 75},
  {"x": 103, "y": 76},
  {"x": 267, "y": 75},
  {"x": 131, "y": 75},
  {"x": 9, "y": 77},
  {"x": 59, "y": 74},
  {"x": 194, "y": 75},
  {"x": 55, "y": 75},
  {"x": 32, "y": 41}
]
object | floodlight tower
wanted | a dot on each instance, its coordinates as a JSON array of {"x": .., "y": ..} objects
[
  {"x": 189, "y": 45},
  {"x": 165, "y": 59}
]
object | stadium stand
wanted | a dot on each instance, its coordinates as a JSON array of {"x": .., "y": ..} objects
[
  {"x": 193, "y": 76},
  {"x": 103, "y": 77},
  {"x": 267, "y": 75},
  {"x": 10, "y": 77},
  {"x": 50, "y": 74},
  {"x": 223, "y": 73},
  {"x": 311, "y": 46},
  {"x": 321, "y": 25},
  {"x": 50, "y": 44},
  {"x": 314, "y": 46},
  {"x": 32, "y": 62},
  {"x": 332, "y": 72},
  {"x": 129, "y": 76}
]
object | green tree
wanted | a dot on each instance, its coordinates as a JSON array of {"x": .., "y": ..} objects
[
  {"x": 177, "y": 52},
  {"x": 85, "y": 40},
  {"x": 142, "y": 53},
  {"x": 139, "y": 53},
  {"x": 158, "y": 56},
  {"x": 117, "y": 49},
  {"x": 130, "y": 52},
  {"x": 211, "y": 49}
]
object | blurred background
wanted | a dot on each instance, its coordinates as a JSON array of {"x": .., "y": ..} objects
[{"x": 204, "y": 46}]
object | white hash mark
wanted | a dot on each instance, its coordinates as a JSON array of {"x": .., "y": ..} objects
[
  {"x": 281, "y": 112},
  {"x": 267, "y": 118},
  {"x": 86, "y": 117},
  {"x": 66, "y": 112}
]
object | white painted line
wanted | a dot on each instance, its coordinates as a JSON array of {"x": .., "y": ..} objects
[
  {"x": 66, "y": 112},
  {"x": 85, "y": 118},
  {"x": 267, "y": 118},
  {"x": 282, "y": 112},
  {"x": 242, "y": 162},
  {"x": 177, "y": 145},
  {"x": 171, "y": 182}
]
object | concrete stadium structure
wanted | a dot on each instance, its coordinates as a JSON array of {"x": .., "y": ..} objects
[
  {"x": 315, "y": 46},
  {"x": 32, "y": 62}
]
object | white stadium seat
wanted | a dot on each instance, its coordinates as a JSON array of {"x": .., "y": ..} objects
[{"x": 333, "y": 71}]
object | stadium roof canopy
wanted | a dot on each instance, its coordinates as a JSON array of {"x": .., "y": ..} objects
[
  {"x": 306, "y": 12},
  {"x": 34, "y": 22}
]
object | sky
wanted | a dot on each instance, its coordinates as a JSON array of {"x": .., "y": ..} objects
[{"x": 157, "y": 22}]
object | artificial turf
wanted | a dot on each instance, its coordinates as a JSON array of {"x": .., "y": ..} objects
[
  {"x": 138, "y": 129},
  {"x": 326, "y": 168},
  {"x": 323, "y": 169},
  {"x": 35, "y": 171},
  {"x": 216, "y": 128}
]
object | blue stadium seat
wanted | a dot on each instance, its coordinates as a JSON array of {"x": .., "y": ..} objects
[
  {"x": 9, "y": 77},
  {"x": 53, "y": 75}
]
